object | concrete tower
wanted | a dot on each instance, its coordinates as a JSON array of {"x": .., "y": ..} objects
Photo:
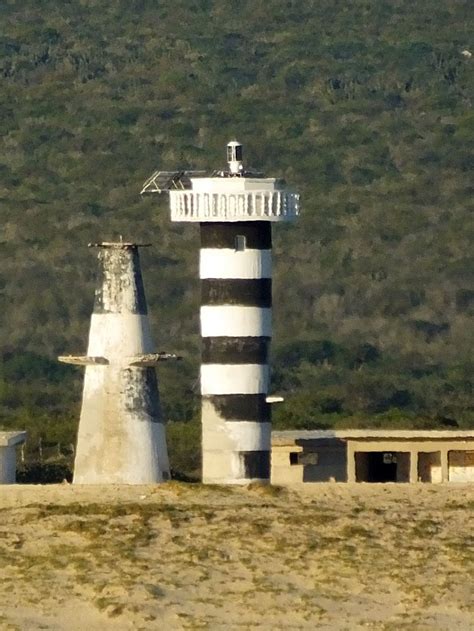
[
  {"x": 235, "y": 208},
  {"x": 121, "y": 435}
]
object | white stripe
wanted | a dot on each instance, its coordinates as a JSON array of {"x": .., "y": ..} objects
[
  {"x": 250, "y": 436},
  {"x": 228, "y": 263},
  {"x": 235, "y": 321},
  {"x": 236, "y": 436},
  {"x": 118, "y": 335},
  {"x": 234, "y": 378}
]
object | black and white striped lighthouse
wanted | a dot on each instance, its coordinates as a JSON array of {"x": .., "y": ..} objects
[{"x": 235, "y": 208}]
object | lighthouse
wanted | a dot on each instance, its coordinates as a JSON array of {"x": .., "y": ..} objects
[
  {"x": 121, "y": 438},
  {"x": 235, "y": 208}
]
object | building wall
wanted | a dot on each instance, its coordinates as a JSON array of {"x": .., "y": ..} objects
[
  {"x": 429, "y": 467},
  {"x": 312, "y": 461},
  {"x": 330, "y": 465},
  {"x": 414, "y": 447},
  {"x": 282, "y": 471},
  {"x": 461, "y": 466},
  {"x": 7, "y": 465},
  {"x": 403, "y": 466},
  {"x": 345, "y": 460}
]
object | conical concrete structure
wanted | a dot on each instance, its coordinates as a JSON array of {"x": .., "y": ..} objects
[
  {"x": 121, "y": 437},
  {"x": 235, "y": 208}
]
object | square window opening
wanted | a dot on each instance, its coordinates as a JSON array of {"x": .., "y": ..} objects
[
  {"x": 293, "y": 457},
  {"x": 240, "y": 243}
]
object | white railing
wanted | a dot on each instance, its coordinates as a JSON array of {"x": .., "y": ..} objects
[{"x": 242, "y": 206}]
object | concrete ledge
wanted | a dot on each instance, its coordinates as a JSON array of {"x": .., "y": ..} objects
[
  {"x": 9, "y": 439},
  {"x": 291, "y": 437}
]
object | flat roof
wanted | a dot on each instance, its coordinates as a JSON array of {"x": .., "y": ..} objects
[
  {"x": 8, "y": 439},
  {"x": 289, "y": 437}
]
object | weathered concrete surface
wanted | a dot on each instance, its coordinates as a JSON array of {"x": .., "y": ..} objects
[
  {"x": 225, "y": 442},
  {"x": 421, "y": 456},
  {"x": 8, "y": 443},
  {"x": 461, "y": 466},
  {"x": 288, "y": 437},
  {"x": 121, "y": 437}
]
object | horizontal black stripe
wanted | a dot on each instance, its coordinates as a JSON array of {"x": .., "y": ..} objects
[
  {"x": 247, "y": 292},
  {"x": 258, "y": 234},
  {"x": 256, "y": 464},
  {"x": 119, "y": 279},
  {"x": 235, "y": 350},
  {"x": 241, "y": 407}
]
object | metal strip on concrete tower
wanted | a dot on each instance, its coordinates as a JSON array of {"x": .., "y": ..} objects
[
  {"x": 121, "y": 436},
  {"x": 235, "y": 208}
]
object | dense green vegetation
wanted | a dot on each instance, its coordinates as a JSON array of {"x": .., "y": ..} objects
[{"x": 365, "y": 106}]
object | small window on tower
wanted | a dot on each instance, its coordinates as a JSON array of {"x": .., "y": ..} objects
[{"x": 240, "y": 243}]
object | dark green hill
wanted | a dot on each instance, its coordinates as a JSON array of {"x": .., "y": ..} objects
[{"x": 365, "y": 106}]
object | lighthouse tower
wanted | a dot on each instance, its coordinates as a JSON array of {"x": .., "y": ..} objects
[
  {"x": 121, "y": 437},
  {"x": 235, "y": 208}
]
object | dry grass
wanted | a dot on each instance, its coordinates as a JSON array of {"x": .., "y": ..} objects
[{"x": 192, "y": 557}]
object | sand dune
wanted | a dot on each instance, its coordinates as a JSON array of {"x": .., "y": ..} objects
[{"x": 324, "y": 556}]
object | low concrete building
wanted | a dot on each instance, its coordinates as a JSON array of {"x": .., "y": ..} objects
[
  {"x": 372, "y": 456},
  {"x": 8, "y": 443}
]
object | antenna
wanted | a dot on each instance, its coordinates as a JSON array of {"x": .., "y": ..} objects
[{"x": 161, "y": 181}]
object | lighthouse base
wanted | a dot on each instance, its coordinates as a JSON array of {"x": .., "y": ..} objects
[
  {"x": 121, "y": 438},
  {"x": 234, "y": 451}
]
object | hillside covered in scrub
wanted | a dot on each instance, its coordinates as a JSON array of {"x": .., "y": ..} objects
[{"x": 365, "y": 107}]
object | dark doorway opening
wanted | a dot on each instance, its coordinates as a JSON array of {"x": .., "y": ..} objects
[
  {"x": 376, "y": 466},
  {"x": 382, "y": 467}
]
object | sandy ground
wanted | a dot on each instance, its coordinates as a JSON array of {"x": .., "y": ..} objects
[{"x": 324, "y": 556}]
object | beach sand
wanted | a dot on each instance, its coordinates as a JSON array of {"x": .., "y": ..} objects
[{"x": 186, "y": 556}]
